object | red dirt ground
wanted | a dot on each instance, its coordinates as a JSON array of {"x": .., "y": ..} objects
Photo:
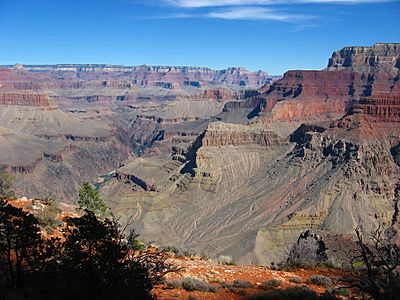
[{"x": 215, "y": 274}]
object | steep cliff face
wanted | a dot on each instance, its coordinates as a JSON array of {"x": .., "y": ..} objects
[
  {"x": 384, "y": 57},
  {"x": 224, "y": 134},
  {"x": 379, "y": 108},
  {"x": 353, "y": 73}
]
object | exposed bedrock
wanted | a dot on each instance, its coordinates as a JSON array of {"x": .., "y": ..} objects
[
  {"x": 349, "y": 183},
  {"x": 146, "y": 185},
  {"x": 24, "y": 99},
  {"x": 380, "y": 57},
  {"x": 379, "y": 108},
  {"x": 124, "y": 77},
  {"x": 353, "y": 74},
  {"x": 252, "y": 194},
  {"x": 224, "y": 134},
  {"x": 67, "y": 169}
]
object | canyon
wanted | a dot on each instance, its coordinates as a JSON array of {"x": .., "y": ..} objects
[
  {"x": 62, "y": 124},
  {"x": 227, "y": 162}
]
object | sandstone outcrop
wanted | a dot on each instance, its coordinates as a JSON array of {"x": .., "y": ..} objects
[{"x": 224, "y": 134}]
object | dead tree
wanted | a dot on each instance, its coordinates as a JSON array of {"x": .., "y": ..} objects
[{"x": 376, "y": 265}]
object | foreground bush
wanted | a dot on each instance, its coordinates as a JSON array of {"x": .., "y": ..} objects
[
  {"x": 238, "y": 283},
  {"x": 226, "y": 260},
  {"x": 320, "y": 280},
  {"x": 271, "y": 283},
  {"x": 194, "y": 284},
  {"x": 295, "y": 279},
  {"x": 93, "y": 260},
  {"x": 173, "y": 284},
  {"x": 376, "y": 265}
]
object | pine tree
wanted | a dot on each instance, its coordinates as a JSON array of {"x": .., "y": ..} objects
[{"x": 89, "y": 199}]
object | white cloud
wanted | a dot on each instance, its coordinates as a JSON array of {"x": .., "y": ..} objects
[
  {"x": 254, "y": 13},
  {"x": 213, "y": 3},
  {"x": 248, "y": 9}
]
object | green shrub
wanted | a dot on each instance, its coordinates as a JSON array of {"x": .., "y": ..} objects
[
  {"x": 48, "y": 215},
  {"x": 173, "y": 284},
  {"x": 295, "y": 279},
  {"x": 225, "y": 260},
  {"x": 6, "y": 183},
  {"x": 341, "y": 292},
  {"x": 194, "y": 284},
  {"x": 238, "y": 283},
  {"x": 320, "y": 280},
  {"x": 225, "y": 285},
  {"x": 271, "y": 283},
  {"x": 300, "y": 292}
]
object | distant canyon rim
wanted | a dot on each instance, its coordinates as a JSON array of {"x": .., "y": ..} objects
[{"x": 216, "y": 161}]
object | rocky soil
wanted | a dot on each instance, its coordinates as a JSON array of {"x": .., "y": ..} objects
[{"x": 244, "y": 282}]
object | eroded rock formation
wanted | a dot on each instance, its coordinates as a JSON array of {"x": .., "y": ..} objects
[
  {"x": 383, "y": 57},
  {"x": 252, "y": 189},
  {"x": 353, "y": 74},
  {"x": 23, "y": 99}
]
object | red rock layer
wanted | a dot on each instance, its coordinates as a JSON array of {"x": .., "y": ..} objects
[
  {"x": 303, "y": 94},
  {"x": 333, "y": 85},
  {"x": 353, "y": 74},
  {"x": 122, "y": 77},
  {"x": 379, "y": 108},
  {"x": 24, "y": 99}
]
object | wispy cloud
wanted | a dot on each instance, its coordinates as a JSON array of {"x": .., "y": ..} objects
[
  {"x": 166, "y": 16},
  {"x": 214, "y": 3},
  {"x": 255, "y": 13},
  {"x": 257, "y": 10}
]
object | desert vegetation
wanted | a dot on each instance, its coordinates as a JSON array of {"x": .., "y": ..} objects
[
  {"x": 88, "y": 257},
  {"x": 376, "y": 265}
]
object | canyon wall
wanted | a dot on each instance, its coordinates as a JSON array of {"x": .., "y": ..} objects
[
  {"x": 383, "y": 57},
  {"x": 353, "y": 74}
]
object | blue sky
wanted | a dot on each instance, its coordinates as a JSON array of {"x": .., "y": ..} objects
[{"x": 274, "y": 36}]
